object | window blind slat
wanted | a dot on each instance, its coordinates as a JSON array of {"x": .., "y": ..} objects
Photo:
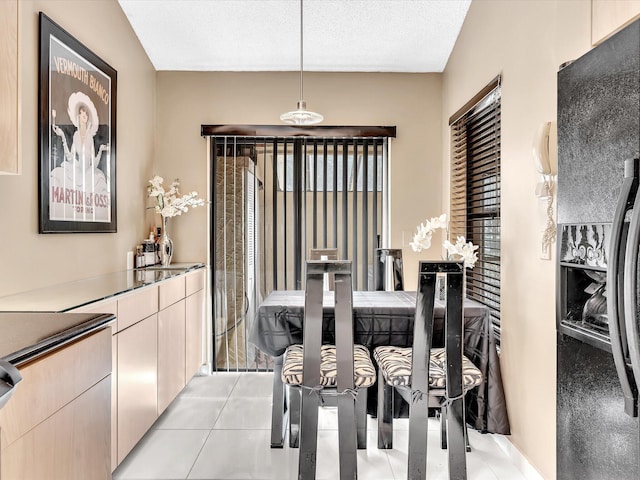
[{"x": 475, "y": 196}]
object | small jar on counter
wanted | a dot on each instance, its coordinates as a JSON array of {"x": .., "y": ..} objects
[
  {"x": 140, "y": 260},
  {"x": 149, "y": 249}
]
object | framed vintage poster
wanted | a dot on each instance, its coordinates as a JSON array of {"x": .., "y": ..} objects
[{"x": 77, "y": 127}]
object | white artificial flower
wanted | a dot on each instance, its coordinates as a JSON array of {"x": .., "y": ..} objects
[
  {"x": 170, "y": 203},
  {"x": 439, "y": 222},
  {"x": 422, "y": 239},
  {"x": 463, "y": 250}
]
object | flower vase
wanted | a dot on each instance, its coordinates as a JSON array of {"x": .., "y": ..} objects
[
  {"x": 441, "y": 286},
  {"x": 464, "y": 283},
  {"x": 166, "y": 245}
]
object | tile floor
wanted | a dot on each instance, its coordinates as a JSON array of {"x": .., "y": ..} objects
[{"x": 218, "y": 429}]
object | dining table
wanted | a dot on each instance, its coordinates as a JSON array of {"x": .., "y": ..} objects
[{"x": 384, "y": 318}]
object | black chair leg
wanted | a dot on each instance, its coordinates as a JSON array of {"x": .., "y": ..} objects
[
  {"x": 443, "y": 427},
  {"x": 443, "y": 430},
  {"x": 347, "y": 437},
  {"x": 278, "y": 407},
  {"x": 466, "y": 437},
  {"x": 294, "y": 416},
  {"x": 418, "y": 429},
  {"x": 308, "y": 436},
  {"x": 385, "y": 413},
  {"x": 456, "y": 441},
  {"x": 361, "y": 418}
]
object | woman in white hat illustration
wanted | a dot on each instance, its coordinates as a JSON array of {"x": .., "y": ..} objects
[{"x": 79, "y": 169}]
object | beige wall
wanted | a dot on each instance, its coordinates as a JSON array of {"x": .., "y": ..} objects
[
  {"x": 28, "y": 259},
  {"x": 409, "y": 101},
  {"x": 525, "y": 41}
]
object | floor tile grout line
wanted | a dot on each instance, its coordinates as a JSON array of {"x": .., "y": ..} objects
[
  {"x": 226, "y": 402},
  {"x": 235, "y": 384},
  {"x": 393, "y": 473},
  {"x": 199, "y": 453}
]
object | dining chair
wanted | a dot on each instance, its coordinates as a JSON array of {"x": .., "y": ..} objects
[
  {"x": 429, "y": 377},
  {"x": 380, "y": 270},
  {"x": 324, "y": 254},
  {"x": 313, "y": 371}
]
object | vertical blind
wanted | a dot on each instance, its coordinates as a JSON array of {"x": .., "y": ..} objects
[
  {"x": 276, "y": 196},
  {"x": 475, "y": 193}
]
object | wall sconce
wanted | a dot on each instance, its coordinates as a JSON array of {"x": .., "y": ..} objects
[{"x": 545, "y": 156}]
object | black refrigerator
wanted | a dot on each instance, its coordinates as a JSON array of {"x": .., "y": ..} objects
[{"x": 598, "y": 343}]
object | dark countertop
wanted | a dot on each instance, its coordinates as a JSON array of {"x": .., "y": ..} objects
[
  {"x": 27, "y": 335},
  {"x": 67, "y": 296},
  {"x": 34, "y": 322}
]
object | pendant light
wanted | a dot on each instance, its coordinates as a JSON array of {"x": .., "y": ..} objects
[{"x": 301, "y": 116}]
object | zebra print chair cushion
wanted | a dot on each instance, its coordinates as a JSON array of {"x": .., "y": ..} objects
[
  {"x": 364, "y": 373},
  {"x": 395, "y": 363}
]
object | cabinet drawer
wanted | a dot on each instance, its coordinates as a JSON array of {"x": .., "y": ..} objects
[
  {"x": 53, "y": 381},
  {"x": 105, "y": 306},
  {"x": 71, "y": 444},
  {"x": 137, "y": 305},
  {"x": 171, "y": 291},
  {"x": 195, "y": 281}
]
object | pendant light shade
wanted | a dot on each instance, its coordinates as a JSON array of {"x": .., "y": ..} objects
[{"x": 301, "y": 116}]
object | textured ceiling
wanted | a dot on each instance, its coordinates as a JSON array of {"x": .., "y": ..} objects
[{"x": 264, "y": 35}]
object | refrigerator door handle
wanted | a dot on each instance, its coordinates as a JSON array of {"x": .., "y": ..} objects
[
  {"x": 616, "y": 286},
  {"x": 630, "y": 293}
]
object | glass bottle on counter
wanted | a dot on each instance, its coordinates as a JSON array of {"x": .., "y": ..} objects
[
  {"x": 139, "y": 260},
  {"x": 158, "y": 235}
]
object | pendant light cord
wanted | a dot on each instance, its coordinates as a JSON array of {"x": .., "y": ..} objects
[
  {"x": 301, "y": 116},
  {"x": 301, "y": 51}
]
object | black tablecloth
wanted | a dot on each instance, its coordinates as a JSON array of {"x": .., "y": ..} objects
[{"x": 386, "y": 318}]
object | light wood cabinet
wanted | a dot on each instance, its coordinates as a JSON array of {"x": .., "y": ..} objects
[
  {"x": 171, "y": 353},
  {"x": 61, "y": 410},
  {"x": 609, "y": 16},
  {"x": 110, "y": 306},
  {"x": 194, "y": 281},
  {"x": 137, "y": 382},
  {"x": 104, "y": 306},
  {"x": 114, "y": 402},
  {"x": 72, "y": 444},
  {"x": 156, "y": 349},
  {"x": 171, "y": 291},
  {"x": 132, "y": 360},
  {"x": 194, "y": 325},
  {"x": 9, "y": 117},
  {"x": 136, "y": 305}
]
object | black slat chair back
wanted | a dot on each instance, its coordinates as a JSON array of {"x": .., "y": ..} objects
[
  {"x": 380, "y": 269},
  {"x": 408, "y": 371},
  {"x": 325, "y": 254},
  {"x": 341, "y": 372}
]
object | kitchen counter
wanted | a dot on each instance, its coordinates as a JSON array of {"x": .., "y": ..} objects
[
  {"x": 67, "y": 296},
  {"x": 25, "y": 336},
  {"x": 34, "y": 322}
]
